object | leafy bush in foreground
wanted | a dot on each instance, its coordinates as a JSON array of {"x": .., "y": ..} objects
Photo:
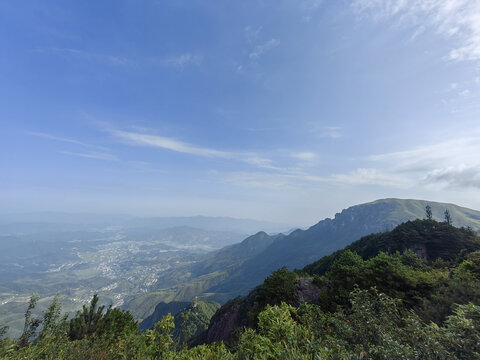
[{"x": 374, "y": 326}]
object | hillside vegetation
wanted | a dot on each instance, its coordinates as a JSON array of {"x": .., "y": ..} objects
[
  {"x": 384, "y": 302},
  {"x": 429, "y": 239}
]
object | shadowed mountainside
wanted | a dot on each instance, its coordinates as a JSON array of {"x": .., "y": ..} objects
[
  {"x": 302, "y": 247},
  {"x": 237, "y": 269},
  {"x": 397, "y": 275}
]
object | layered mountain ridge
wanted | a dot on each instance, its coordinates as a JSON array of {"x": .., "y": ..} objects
[{"x": 237, "y": 269}]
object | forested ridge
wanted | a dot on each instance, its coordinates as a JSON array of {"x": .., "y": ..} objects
[{"x": 410, "y": 293}]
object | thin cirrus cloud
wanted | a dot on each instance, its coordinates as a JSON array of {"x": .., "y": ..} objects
[
  {"x": 261, "y": 49},
  {"x": 139, "y": 139},
  {"x": 451, "y": 163},
  {"x": 371, "y": 176},
  {"x": 92, "y": 150},
  {"x": 184, "y": 60},
  {"x": 322, "y": 131},
  {"x": 308, "y": 7},
  {"x": 258, "y": 48},
  {"x": 301, "y": 179},
  {"x": 261, "y": 180},
  {"x": 88, "y": 56},
  {"x": 92, "y": 155},
  {"x": 180, "y": 61},
  {"x": 453, "y": 19},
  {"x": 252, "y": 33},
  {"x": 305, "y": 156},
  {"x": 57, "y": 138},
  {"x": 65, "y": 140},
  {"x": 461, "y": 150}
]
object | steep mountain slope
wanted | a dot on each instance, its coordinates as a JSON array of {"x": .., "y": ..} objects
[
  {"x": 201, "y": 276},
  {"x": 191, "y": 318},
  {"x": 302, "y": 247},
  {"x": 160, "y": 311},
  {"x": 403, "y": 276},
  {"x": 234, "y": 254}
]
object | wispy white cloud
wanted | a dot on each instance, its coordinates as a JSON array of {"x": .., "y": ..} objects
[
  {"x": 65, "y": 140},
  {"x": 308, "y": 7},
  {"x": 322, "y": 131},
  {"x": 168, "y": 143},
  {"x": 360, "y": 176},
  {"x": 461, "y": 150},
  {"x": 58, "y": 138},
  {"x": 262, "y": 180},
  {"x": 458, "y": 20},
  {"x": 145, "y": 166},
  {"x": 252, "y": 33},
  {"x": 92, "y": 150},
  {"x": 92, "y": 155},
  {"x": 371, "y": 176},
  {"x": 256, "y": 48},
  {"x": 304, "y": 156},
  {"x": 259, "y": 161},
  {"x": 184, "y": 60},
  {"x": 180, "y": 61},
  {"x": 139, "y": 139},
  {"x": 261, "y": 49},
  {"x": 88, "y": 55},
  {"x": 297, "y": 178},
  {"x": 461, "y": 176},
  {"x": 451, "y": 163}
]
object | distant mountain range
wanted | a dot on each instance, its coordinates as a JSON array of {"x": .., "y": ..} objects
[
  {"x": 236, "y": 269},
  {"x": 57, "y": 222}
]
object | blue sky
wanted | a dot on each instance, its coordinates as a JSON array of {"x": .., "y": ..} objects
[{"x": 277, "y": 110}]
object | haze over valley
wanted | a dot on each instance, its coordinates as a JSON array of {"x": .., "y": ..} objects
[{"x": 115, "y": 257}]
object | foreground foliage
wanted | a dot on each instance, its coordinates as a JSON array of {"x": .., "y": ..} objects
[{"x": 374, "y": 326}]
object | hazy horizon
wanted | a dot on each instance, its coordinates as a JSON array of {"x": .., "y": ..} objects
[
  {"x": 49, "y": 216},
  {"x": 279, "y": 111}
]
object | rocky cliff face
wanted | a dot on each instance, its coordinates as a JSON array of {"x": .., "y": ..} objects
[
  {"x": 224, "y": 323},
  {"x": 306, "y": 291},
  {"x": 234, "y": 314}
]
